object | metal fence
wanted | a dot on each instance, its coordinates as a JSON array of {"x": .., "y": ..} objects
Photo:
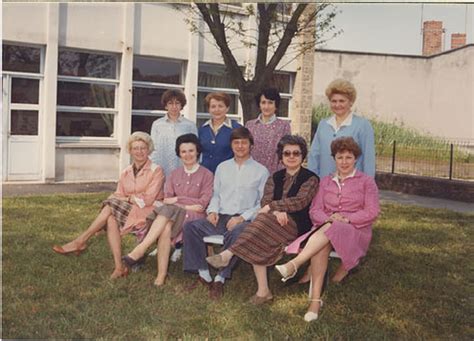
[{"x": 441, "y": 159}]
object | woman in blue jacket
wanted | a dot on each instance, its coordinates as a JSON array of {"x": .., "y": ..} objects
[{"x": 214, "y": 134}]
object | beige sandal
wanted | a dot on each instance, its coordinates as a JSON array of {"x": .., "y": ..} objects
[{"x": 311, "y": 315}]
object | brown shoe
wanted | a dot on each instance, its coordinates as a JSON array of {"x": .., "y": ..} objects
[
  {"x": 259, "y": 300},
  {"x": 196, "y": 283},
  {"x": 340, "y": 274},
  {"x": 216, "y": 291}
]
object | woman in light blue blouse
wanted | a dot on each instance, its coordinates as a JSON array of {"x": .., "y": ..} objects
[
  {"x": 344, "y": 122},
  {"x": 214, "y": 134},
  {"x": 166, "y": 130}
]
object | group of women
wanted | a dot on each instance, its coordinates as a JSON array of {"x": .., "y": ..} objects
[{"x": 334, "y": 213}]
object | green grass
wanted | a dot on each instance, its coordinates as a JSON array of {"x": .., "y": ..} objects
[
  {"x": 416, "y": 283},
  {"x": 411, "y": 144}
]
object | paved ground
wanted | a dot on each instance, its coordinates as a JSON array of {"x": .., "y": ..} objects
[{"x": 11, "y": 190}]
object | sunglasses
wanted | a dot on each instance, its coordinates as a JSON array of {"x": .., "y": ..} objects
[{"x": 295, "y": 153}]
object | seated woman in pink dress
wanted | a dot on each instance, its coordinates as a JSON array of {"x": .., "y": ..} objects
[
  {"x": 139, "y": 186},
  {"x": 342, "y": 212},
  {"x": 188, "y": 191}
]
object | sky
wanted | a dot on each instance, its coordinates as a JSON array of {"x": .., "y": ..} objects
[{"x": 396, "y": 28}]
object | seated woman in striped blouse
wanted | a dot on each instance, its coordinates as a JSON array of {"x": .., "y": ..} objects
[{"x": 283, "y": 216}]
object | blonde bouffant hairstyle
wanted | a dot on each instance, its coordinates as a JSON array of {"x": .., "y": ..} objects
[
  {"x": 140, "y": 136},
  {"x": 341, "y": 87}
]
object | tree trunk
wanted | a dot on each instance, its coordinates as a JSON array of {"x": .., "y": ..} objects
[{"x": 250, "y": 109}]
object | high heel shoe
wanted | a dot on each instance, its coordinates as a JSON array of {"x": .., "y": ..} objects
[
  {"x": 59, "y": 249},
  {"x": 311, "y": 315},
  {"x": 129, "y": 262},
  {"x": 284, "y": 271}
]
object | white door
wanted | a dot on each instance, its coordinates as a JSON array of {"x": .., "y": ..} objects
[{"x": 21, "y": 110}]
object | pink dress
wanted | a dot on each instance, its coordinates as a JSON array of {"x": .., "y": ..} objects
[
  {"x": 191, "y": 189},
  {"x": 147, "y": 186},
  {"x": 266, "y": 137},
  {"x": 356, "y": 199}
]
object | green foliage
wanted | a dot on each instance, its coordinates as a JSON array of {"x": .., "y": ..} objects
[{"x": 414, "y": 283}]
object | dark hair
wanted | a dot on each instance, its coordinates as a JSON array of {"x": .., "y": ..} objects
[
  {"x": 294, "y": 140},
  {"x": 269, "y": 93},
  {"x": 169, "y": 95},
  {"x": 241, "y": 133},
  {"x": 188, "y": 138},
  {"x": 345, "y": 143},
  {"x": 218, "y": 96}
]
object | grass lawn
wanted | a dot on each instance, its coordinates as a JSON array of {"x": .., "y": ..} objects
[{"x": 416, "y": 283}]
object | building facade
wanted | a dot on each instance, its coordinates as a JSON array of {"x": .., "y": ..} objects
[{"x": 78, "y": 78}]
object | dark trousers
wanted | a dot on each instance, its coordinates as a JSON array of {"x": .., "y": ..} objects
[{"x": 195, "y": 250}]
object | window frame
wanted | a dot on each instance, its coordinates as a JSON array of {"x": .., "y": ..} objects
[
  {"x": 157, "y": 113},
  {"x": 106, "y": 140},
  {"x": 208, "y": 89},
  {"x": 25, "y": 75}
]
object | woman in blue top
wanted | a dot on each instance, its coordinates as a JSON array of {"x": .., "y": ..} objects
[
  {"x": 214, "y": 134},
  {"x": 344, "y": 122}
]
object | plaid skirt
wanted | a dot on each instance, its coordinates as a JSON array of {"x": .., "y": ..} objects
[{"x": 120, "y": 210}]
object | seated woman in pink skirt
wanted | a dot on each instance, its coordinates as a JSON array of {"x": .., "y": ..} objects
[
  {"x": 139, "y": 186},
  {"x": 343, "y": 212},
  {"x": 188, "y": 191}
]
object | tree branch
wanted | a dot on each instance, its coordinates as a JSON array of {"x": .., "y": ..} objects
[
  {"x": 290, "y": 31},
  {"x": 211, "y": 17}
]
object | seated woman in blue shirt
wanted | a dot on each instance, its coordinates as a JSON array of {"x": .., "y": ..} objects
[{"x": 214, "y": 134}]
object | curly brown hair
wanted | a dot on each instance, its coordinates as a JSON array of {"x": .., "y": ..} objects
[
  {"x": 171, "y": 94},
  {"x": 345, "y": 143}
]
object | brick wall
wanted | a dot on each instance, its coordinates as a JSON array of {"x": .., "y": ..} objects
[
  {"x": 432, "y": 37},
  {"x": 458, "y": 40},
  {"x": 302, "y": 102}
]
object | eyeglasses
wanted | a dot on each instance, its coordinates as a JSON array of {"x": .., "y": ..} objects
[{"x": 295, "y": 153}]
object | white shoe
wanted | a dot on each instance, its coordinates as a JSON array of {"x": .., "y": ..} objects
[
  {"x": 153, "y": 253},
  {"x": 284, "y": 271},
  {"x": 176, "y": 256},
  {"x": 311, "y": 315}
]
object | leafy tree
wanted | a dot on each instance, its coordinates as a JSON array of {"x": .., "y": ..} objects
[{"x": 267, "y": 29}]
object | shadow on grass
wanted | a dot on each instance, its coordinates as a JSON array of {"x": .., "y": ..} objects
[{"x": 414, "y": 282}]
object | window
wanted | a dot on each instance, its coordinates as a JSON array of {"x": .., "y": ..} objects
[
  {"x": 86, "y": 94},
  {"x": 213, "y": 78},
  {"x": 283, "y": 81},
  {"x": 151, "y": 78},
  {"x": 21, "y": 58},
  {"x": 22, "y": 71}
]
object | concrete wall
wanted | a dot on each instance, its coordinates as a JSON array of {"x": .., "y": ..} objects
[{"x": 431, "y": 94}]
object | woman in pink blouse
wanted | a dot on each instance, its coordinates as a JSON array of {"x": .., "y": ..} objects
[
  {"x": 188, "y": 191},
  {"x": 139, "y": 187},
  {"x": 342, "y": 212}
]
